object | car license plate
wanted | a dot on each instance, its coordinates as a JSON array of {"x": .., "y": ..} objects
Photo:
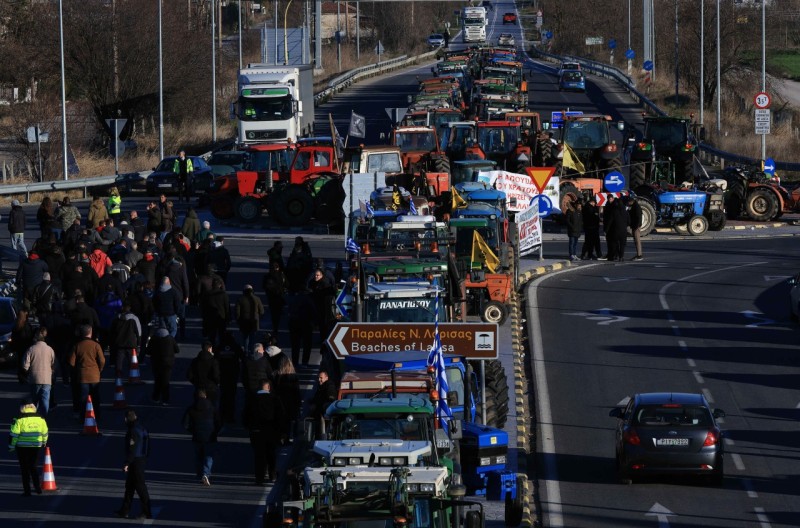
[
  {"x": 164, "y": 185},
  {"x": 672, "y": 442}
]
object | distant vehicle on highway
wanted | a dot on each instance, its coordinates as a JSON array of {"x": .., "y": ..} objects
[
  {"x": 226, "y": 162},
  {"x": 436, "y": 40},
  {"x": 569, "y": 66},
  {"x": 8, "y": 314},
  {"x": 164, "y": 180},
  {"x": 509, "y": 18},
  {"x": 505, "y": 39},
  {"x": 663, "y": 433},
  {"x": 572, "y": 81}
]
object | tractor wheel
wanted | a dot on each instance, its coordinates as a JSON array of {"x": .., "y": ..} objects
[
  {"x": 494, "y": 312},
  {"x": 514, "y": 506},
  {"x": 685, "y": 170},
  {"x": 638, "y": 172},
  {"x": 248, "y": 209},
  {"x": 293, "y": 207},
  {"x": 614, "y": 164},
  {"x": 716, "y": 221},
  {"x": 761, "y": 205},
  {"x": 734, "y": 199},
  {"x": 496, "y": 395},
  {"x": 473, "y": 519},
  {"x": 697, "y": 225},
  {"x": 222, "y": 208},
  {"x": 545, "y": 149},
  {"x": 328, "y": 202},
  {"x": 648, "y": 217},
  {"x": 681, "y": 229},
  {"x": 568, "y": 194},
  {"x": 441, "y": 165}
]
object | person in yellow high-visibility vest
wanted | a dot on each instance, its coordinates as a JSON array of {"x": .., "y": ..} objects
[
  {"x": 28, "y": 435},
  {"x": 114, "y": 204},
  {"x": 184, "y": 168}
]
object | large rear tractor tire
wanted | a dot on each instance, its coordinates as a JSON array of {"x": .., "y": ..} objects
[
  {"x": 734, "y": 199},
  {"x": 545, "y": 152},
  {"x": 697, "y": 225},
  {"x": 441, "y": 165},
  {"x": 494, "y": 312},
  {"x": 222, "y": 208},
  {"x": 293, "y": 206},
  {"x": 614, "y": 164},
  {"x": 761, "y": 205},
  {"x": 648, "y": 217},
  {"x": 248, "y": 209},
  {"x": 685, "y": 171},
  {"x": 496, "y": 394},
  {"x": 328, "y": 202},
  {"x": 638, "y": 174}
]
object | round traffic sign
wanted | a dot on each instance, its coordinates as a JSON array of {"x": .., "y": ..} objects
[
  {"x": 612, "y": 43},
  {"x": 545, "y": 204},
  {"x": 614, "y": 181},
  {"x": 762, "y": 100},
  {"x": 630, "y": 54},
  {"x": 549, "y": 35},
  {"x": 648, "y": 65}
]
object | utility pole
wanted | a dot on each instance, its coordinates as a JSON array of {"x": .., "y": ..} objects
[
  {"x": 213, "y": 77},
  {"x": 763, "y": 68},
  {"x": 63, "y": 91},
  {"x": 676, "y": 53},
  {"x": 719, "y": 88},
  {"x": 702, "y": 57}
]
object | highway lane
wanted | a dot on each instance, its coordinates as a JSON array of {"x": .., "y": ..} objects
[{"x": 710, "y": 316}]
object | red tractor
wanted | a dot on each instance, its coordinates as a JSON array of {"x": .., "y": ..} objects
[{"x": 502, "y": 142}]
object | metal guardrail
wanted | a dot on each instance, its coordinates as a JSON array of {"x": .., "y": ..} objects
[
  {"x": 54, "y": 186},
  {"x": 708, "y": 153}
]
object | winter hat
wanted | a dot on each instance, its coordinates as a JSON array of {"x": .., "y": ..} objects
[
  {"x": 27, "y": 408},
  {"x": 15, "y": 203},
  {"x": 273, "y": 351}
]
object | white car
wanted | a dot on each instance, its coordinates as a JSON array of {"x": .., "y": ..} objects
[
  {"x": 436, "y": 40},
  {"x": 569, "y": 66},
  {"x": 505, "y": 39},
  {"x": 794, "y": 297}
]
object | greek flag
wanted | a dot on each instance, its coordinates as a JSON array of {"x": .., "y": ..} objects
[
  {"x": 351, "y": 246},
  {"x": 436, "y": 359},
  {"x": 370, "y": 210},
  {"x": 411, "y": 207}
]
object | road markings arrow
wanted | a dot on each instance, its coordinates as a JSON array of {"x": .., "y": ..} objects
[
  {"x": 616, "y": 279},
  {"x": 758, "y": 316},
  {"x": 770, "y": 278},
  {"x": 603, "y": 316},
  {"x": 661, "y": 513}
]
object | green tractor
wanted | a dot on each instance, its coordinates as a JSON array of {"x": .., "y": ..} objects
[{"x": 667, "y": 140}]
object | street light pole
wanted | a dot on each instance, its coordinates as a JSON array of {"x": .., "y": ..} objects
[
  {"x": 160, "y": 89},
  {"x": 719, "y": 88},
  {"x": 702, "y": 58},
  {"x": 213, "y": 77},
  {"x": 763, "y": 68},
  {"x": 63, "y": 94},
  {"x": 239, "y": 3},
  {"x": 629, "y": 36},
  {"x": 285, "y": 36},
  {"x": 676, "y": 52}
]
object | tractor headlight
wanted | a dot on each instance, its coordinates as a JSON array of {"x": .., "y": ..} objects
[
  {"x": 412, "y": 488},
  {"x": 486, "y": 461},
  {"x": 385, "y": 461},
  {"x": 500, "y": 459},
  {"x": 354, "y": 461},
  {"x": 340, "y": 461},
  {"x": 399, "y": 461},
  {"x": 427, "y": 488}
]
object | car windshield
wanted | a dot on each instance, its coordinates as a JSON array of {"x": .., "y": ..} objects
[
  {"x": 672, "y": 414},
  {"x": 413, "y": 141},
  {"x": 497, "y": 139},
  {"x": 401, "y": 310},
  {"x": 265, "y": 108},
  {"x": 273, "y": 160},
  {"x": 166, "y": 165},
  {"x": 572, "y": 76},
  {"x": 390, "y": 427}
]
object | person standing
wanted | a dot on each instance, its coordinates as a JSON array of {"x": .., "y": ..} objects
[
  {"x": 229, "y": 354},
  {"x": 325, "y": 395},
  {"x": 215, "y": 308},
  {"x": 88, "y": 359},
  {"x": 266, "y": 422},
  {"x": 275, "y": 287},
  {"x": 137, "y": 448},
  {"x": 220, "y": 258},
  {"x": 162, "y": 349},
  {"x": 323, "y": 294},
  {"x": 97, "y": 213},
  {"x": 28, "y": 435},
  {"x": 167, "y": 303},
  {"x": 202, "y": 420},
  {"x": 114, "y": 204},
  {"x": 608, "y": 213},
  {"x": 154, "y": 219},
  {"x": 574, "y": 228},
  {"x": 204, "y": 372},
  {"x": 635, "y": 214},
  {"x": 591, "y": 230},
  {"x": 302, "y": 317},
  {"x": 45, "y": 215},
  {"x": 125, "y": 335},
  {"x": 66, "y": 214},
  {"x": 249, "y": 310},
  {"x": 275, "y": 254},
  {"x": 191, "y": 225},
  {"x": 184, "y": 168},
  {"x": 40, "y": 364},
  {"x": 619, "y": 228},
  {"x": 256, "y": 368},
  {"x": 16, "y": 228},
  {"x": 287, "y": 388}
]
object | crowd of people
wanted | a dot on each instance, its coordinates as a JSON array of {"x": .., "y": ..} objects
[
  {"x": 109, "y": 285},
  {"x": 619, "y": 215}
]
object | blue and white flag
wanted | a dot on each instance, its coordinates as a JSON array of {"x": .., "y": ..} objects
[
  {"x": 370, "y": 210},
  {"x": 411, "y": 207},
  {"x": 351, "y": 246},
  {"x": 436, "y": 359}
]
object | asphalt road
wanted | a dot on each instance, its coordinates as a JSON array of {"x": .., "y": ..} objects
[{"x": 710, "y": 316}]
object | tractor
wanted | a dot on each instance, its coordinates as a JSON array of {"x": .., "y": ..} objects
[
  {"x": 665, "y": 139},
  {"x": 756, "y": 195},
  {"x": 688, "y": 211},
  {"x": 501, "y": 142},
  {"x": 419, "y": 149}
]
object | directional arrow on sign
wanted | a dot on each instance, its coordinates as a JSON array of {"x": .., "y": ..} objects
[
  {"x": 661, "y": 513},
  {"x": 757, "y": 316},
  {"x": 770, "y": 278}
]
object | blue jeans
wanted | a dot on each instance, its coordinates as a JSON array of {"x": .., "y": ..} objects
[
  {"x": 41, "y": 397},
  {"x": 18, "y": 243},
  {"x": 170, "y": 322},
  {"x": 204, "y": 458},
  {"x": 573, "y": 245}
]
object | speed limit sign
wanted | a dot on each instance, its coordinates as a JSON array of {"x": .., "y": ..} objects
[{"x": 762, "y": 100}]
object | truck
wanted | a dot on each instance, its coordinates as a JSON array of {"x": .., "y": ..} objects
[
  {"x": 275, "y": 103},
  {"x": 473, "y": 24}
]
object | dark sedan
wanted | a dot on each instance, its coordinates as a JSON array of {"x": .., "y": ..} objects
[
  {"x": 164, "y": 180},
  {"x": 668, "y": 433}
]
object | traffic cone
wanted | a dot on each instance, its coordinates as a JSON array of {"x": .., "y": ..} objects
[
  {"x": 90, "y": 423},
  {"x": 134, "y": 376},
  {"x": 48, "y": 477},
  {"x": 119, "y": 395}
]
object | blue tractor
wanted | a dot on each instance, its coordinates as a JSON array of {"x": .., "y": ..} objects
[{"x": 692, "y": 212}]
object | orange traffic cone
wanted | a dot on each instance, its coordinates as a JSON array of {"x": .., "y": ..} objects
[
  {"x": 48, "y": 477},
  {"x": 119, "y": 395},
  {"x": 90, "y": 423},
  {"x": 134, "y": 376}
]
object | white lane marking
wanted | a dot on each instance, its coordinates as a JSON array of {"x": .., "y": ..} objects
[
  {"x": 552, "y": 504},
  {"x": 748, "y": 486},
  {"x": 662, "y": 294},
  {"x": 682, "y": 344},
  {"x": 728, "y": 441},
  {"x": 698, "y": 377},
  {"x": 762, "y": 517},
  {"x": 737, "y": 461},
  {"x": 691, "y": 362},
  {"x": 707, "y": 394}
]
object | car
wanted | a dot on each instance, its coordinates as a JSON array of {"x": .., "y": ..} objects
[
  {"x": 8, "y": 314},
  {"x": 164, "y": 180},
  {"x": 572, "y": 80},
  {"x": 435, "y": 40},
  {"x": 509, "y": 18},
  {"x": 668, "y": 433},
  {"x": 794, "y": 297},
  {"x": 569, "y": 66},
  {"x": 505, "y": 39},
  {"x": 224, "y": 162}
]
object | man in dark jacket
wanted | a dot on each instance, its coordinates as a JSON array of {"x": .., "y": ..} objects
[
  {"x": 167, "y": 303},
  {"x": 618, "y": 227},
  {"x": 175, "y": 269},
  {"x": 229, "y": 354},
  {"x": 138, "y": 226},
  {"x": 256, "y": 368},
  {"x": 591, "y": 229},
  {"x": 574, "y": 228},
  {"x": 83, "y": 314},
  {"x": 202, "y": 420},
  {"x": 16, "y": 228},
  {"x": 204, "y": 372},
  {"x": 137, "y": 448},
  {"x": 162, "y": 349},
  {"x": 249, "y": 311},
  {"x": 325, "y": 395},
  {"x": 30, "y": 274},
  {"x": 635, "y": 213},
  {"x": 220, "y": 258},
  {"x": 608, "y": 213},
  {"x": 126, "y": 330},
  {"x": 266, "y": 424},
  {"x": 154, "y": 219},
  {"x": 216, "y": 312}
]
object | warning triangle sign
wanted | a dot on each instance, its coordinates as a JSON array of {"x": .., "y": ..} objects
[{"x": 540, "y": 176}]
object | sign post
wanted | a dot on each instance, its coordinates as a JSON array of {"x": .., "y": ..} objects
[{"x": 762, "y": 102}]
